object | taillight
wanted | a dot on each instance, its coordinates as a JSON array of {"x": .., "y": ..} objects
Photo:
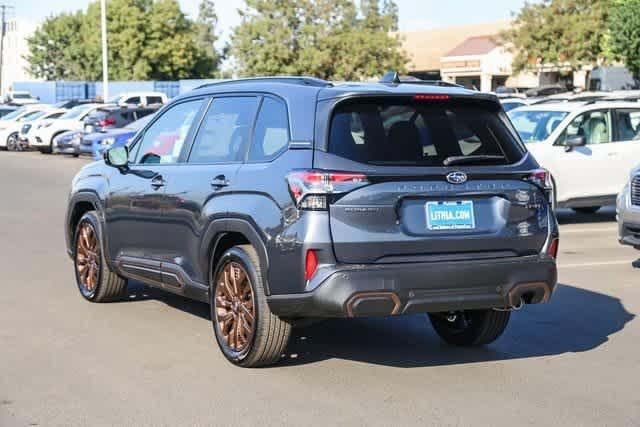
[
  {"x": 311, "y": 189},
  {"x": 310, "y": 264},
  {"x": 542, "y": 179},
  {"x": 552, "y": 250},
  {"x": 109, "y": 121}
]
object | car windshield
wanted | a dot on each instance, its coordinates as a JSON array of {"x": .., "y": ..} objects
[
  {"x": 75, "y": 112},
  {"x": 32, "y": 116},
  {"x": 14, "y": 115},
  {"x": 508, "y": 106},
  {"x": 139, "y": 124},
  {"x": 419, "y": 134},
  {"x": 536, "y": 126}
]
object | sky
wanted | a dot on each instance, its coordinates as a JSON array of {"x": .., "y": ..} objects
[{"x": 414, "y": 14}]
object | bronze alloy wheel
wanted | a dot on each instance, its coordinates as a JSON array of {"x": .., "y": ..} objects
[
  {"x": 235, "y": 307},
  {"x": 87, "y": 258}
]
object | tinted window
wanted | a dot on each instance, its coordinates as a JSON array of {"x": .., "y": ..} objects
[
  {"x": 594, "y": 126},
  {"x": 271, "y": 132},
  {"x": 135, "y": 100},
  {"x": 536, "y": 126},
  {"x": 418, "y": 134},
  {"x": 54, "y": 115},
  {"x": 154, "y": 100},
  {"x": 628, "y": 125},
  {"x": 164, "y": 139},
  {"x": 224, "y": 134}
]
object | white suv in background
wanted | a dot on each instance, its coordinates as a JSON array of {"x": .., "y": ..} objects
[
  {"x": 141, "y": 99},
  {"x": 589, "y": 148},
  {"x": 11, "y": 124},
  {"x": 42, "y": 138}
]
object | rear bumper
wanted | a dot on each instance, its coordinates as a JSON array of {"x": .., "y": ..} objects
[
  {"x": 628, "y": 220},
  {"x": 393, "y": 289}
]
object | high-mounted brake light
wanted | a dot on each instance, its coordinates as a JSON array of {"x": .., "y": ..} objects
[
  {"x": 311, "y": 188},
  {"x": 430, "y": 97}
]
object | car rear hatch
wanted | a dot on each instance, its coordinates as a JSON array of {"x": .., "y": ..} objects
[{"x": 430, "y": 179}]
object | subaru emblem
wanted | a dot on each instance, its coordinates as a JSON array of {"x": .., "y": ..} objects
[{"x": 457, "y": 178}]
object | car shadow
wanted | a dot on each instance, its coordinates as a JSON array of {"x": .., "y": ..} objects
[
  {"x": 568, "y": 216},
  {"x": 576, "y": 320}
]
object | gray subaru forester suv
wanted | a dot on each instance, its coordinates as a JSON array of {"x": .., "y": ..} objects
[{"x": 281, "y": 199}]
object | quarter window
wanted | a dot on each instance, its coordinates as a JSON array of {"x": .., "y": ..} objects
[
  {"x": 164, "y": 139},
  {"x": 271, "y": 132},
  {"x": 628, "y": 125},
  {"x": 594, "y": 126},
  {"x": 224, "y": 134}
]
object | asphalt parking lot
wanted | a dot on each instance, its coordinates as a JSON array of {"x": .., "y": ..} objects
[{"x": 153, "y": 360}]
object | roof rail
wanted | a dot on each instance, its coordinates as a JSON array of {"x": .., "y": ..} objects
[
  {"x": 392, "y": 77},
  {"x": 304, "y": 81}
]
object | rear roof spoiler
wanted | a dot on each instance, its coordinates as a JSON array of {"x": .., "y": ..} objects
[{"x": 393, "y": 77}]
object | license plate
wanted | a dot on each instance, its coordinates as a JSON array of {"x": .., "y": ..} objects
[{"x": 450, "y": 215}]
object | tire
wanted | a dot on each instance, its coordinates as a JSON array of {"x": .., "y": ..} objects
[
  {"x": 105, "y": 285},
  {"x": 471, "y": 328},
  {"x": 12, "y": 142},
  {"x": 587, "y": 210},
  {"x": 230, "y": 305}
]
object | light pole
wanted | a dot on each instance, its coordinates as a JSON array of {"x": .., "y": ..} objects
[{"x": 105, "y": 58}]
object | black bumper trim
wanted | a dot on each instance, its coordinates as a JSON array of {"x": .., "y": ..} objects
[{"x": 418, "y": 287}]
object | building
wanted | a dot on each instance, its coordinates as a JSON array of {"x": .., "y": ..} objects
[
  {"x": 469, "y": 55},
  {"x": 14, "y": 65}
]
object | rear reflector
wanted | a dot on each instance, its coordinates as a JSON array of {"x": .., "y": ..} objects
[
  {"x": 311, "y": 264},
  {"x": 553, "y": 248}
]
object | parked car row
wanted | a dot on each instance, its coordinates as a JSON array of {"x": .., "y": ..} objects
[
  {"x": 76, "y": 127},
  {"x": 589, "y": 143}
]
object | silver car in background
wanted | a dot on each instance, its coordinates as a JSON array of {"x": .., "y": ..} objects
[{"x": 628, "y": 211}]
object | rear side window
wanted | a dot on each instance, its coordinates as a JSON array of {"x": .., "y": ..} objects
[
  {"x": 628, "y": 125},
  {"x": 271, "y": 133},
  {"x": 416, "y": 134},
  {"x": 224, "y": 134},
  {"x": 154, "y": 100}
]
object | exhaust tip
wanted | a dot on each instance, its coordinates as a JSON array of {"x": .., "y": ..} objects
[
  {"x": 530, "y": 293},
  {"x": 373, "y": 304}
]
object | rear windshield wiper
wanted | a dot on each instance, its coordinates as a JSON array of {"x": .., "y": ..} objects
[{"x": 466, "y": 160}]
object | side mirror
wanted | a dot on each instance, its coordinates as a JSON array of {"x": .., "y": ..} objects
[
  {"x": 577, "y": 141},
  {"x": 118, "y": 157}
]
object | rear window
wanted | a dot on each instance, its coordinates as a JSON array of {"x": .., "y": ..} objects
[{"x": 415, "y": 134}]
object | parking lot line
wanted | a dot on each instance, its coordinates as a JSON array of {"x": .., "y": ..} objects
[
  {"x": 588, "y": 230},
  {"x": 596, "y": 263}
]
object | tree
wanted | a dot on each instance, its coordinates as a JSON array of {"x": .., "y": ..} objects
[
  {"x": 206, "y": 38},
  {"x": 147, "y": 40},
  {"x": 624, "y": 41},
  {"x": 331, "y": 39},
  {"x": 49, "y": 53},
  {"x": 568, "y": 33}
]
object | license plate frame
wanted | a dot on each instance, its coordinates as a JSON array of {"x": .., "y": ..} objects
[{"x": 452, "y": 215}]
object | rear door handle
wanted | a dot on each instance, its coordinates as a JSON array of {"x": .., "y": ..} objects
[
  {"x": 219, "y": 182},
  {"x": 158, "y": 182}
]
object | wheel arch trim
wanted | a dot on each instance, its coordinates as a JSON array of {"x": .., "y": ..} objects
[{"x": 218, "y": 228}]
